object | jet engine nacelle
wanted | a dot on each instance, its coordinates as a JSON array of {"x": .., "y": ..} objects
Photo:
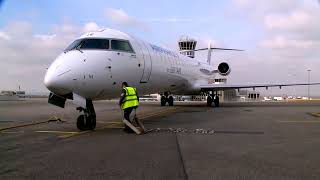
[{"x": 224, "y": 69}]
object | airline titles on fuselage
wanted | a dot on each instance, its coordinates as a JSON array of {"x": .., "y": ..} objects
[{"x": 164, "y": 51}]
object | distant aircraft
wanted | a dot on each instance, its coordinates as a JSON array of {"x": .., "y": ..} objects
[{"x": 95, "y": 64}]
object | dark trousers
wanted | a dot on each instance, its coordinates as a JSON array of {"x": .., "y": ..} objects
[{"x": 127, "y": 113}]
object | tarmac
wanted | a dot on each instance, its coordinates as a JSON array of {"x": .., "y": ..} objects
[{"x": 256, "y": 140}]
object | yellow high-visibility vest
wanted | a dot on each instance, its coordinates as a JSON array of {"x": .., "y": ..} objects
[{"x": 131, "y": 98}]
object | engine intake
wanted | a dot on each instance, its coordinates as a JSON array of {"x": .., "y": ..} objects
[{"x": 224, "y": 69}]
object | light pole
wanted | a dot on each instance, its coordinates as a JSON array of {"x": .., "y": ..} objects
[{"x": 308, "y": 84}]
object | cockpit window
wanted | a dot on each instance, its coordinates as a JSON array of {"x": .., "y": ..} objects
[
  {"x": 94, "y": 44},
  {"x": 73, "y": 45},
  {"x": 121, "y": 45},
  {"x": 89, "y": 44}
]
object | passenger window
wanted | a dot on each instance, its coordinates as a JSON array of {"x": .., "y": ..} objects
[{"x": 121, "y": 45}]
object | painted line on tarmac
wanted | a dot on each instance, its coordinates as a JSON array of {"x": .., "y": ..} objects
[
  {"x": 71, "y": 135},
  {"x": 298, "y": 121},
  {"x": 111, "y": 126},
  {"x": 51, "y": 119},
  {"x": 158, "y": 113},
  {"x": 23, "y": 125},
  {"x": 144, "y": 117},
  {"x": 11, "y": 132},
  {"x": 110, "y": 122},
  {"x": 115, "y": 122},
  {"x": 58, "y": 132}
]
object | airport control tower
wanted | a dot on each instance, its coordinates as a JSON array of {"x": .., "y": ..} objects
[{"x": 187, "y": 46}]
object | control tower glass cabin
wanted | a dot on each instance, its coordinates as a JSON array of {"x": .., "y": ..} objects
[{"x": 187, "y": 46}]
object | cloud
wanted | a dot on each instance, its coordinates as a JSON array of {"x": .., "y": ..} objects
[
  {"x": 120, "y": 17},
  {"x": 296, "y": 31},
  {"x": 66, "y": 29},
  {"x": 289, "y": 43},
  {"x": 91, "y": 26},
  {"x": 302, "y": 24},
  {"x": 267, "y": 6},
  {"x": 295, "y": 20},
  {"x": 28, "y": 53},
  {"x": 4, "y": 36},
  {"x": 45, "y": 37},
  {"x": 281, "y": 42},
  {"x": 170, "y": 20}
]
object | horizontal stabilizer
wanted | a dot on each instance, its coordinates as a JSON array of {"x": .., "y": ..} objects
[{"x": 223, "y": 49}]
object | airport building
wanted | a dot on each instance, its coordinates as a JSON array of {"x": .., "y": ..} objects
[
  {"x": 12, "y": 95},
  {"x": 187, "y": 46},
  {"x": 249, "y": 95}
]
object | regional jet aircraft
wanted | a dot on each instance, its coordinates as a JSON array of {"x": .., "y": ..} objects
[{"x": 95, "y": 64}]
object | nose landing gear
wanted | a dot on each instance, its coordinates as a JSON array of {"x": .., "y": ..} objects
[{"x": 87, "y": 121}]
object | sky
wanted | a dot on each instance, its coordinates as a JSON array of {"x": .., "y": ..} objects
[{"x": 281, "y": 38}]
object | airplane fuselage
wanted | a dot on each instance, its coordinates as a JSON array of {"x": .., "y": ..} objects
[{"x": 97, "y": 74}]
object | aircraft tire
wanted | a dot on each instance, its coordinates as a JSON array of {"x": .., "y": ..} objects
[
  {"x": 91, "y": 122},
  {"x": 170, "y": 101},
  {"x": 216, "y": 101},
  {"x": 81, "y": 123},
  {"x": 209, "y": 101},
  {"x": 163, "y": 101}
]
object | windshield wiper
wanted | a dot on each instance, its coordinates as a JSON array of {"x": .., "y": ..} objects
[{"x": 78, "y": 48}]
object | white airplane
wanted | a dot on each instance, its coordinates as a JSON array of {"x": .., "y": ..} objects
[{"x": 95, "y": 64}]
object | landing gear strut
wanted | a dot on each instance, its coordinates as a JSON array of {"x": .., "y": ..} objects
[
  {"x": 87, "y": 121},
  {"x": 167, "y": 98}
]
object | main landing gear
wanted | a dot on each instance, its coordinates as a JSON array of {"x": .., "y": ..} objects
[
  {"x": 87, "y": 120},
  {"x": 167, "y": 98},
  {"x": 213, "y": 99}
]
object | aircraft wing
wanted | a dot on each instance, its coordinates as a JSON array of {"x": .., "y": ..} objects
[{"x": 231, "y": 86}]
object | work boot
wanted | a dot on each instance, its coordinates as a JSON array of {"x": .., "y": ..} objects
[{"x": 127, "y": 129}]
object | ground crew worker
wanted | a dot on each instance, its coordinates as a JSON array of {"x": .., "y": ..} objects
[{"x": 129, "y": 100}]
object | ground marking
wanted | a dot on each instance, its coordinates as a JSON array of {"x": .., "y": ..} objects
[
  {"x": 23, "y": 125},
  {"x": 11, "y": 132},
  {"x": 112, "y": 124},
  {"x": 58, "y": 132},
  {"x": 299, "y": 121}
]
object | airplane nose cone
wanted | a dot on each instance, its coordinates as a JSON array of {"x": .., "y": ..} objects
[
  {"x": 50, "y": 81},
  {"x": 55, "y": 83}
]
